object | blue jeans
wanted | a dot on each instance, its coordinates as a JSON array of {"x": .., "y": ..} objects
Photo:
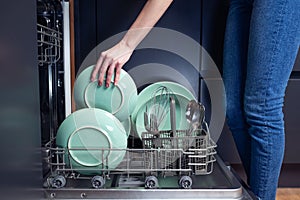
[{"x": 261, "y": 42}]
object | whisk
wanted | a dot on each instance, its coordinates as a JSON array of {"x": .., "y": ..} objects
[{"x": 157, "y": 109}]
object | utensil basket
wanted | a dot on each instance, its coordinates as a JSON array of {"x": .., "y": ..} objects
[{"x": 180, "y": 152}]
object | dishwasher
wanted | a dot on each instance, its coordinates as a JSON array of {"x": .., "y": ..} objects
[{"x": 149, "y": 169}]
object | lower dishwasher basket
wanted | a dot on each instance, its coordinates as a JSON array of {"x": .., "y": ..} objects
[
  {"x": 179, "y": 165},
  {"x": 220, "y": 184}
]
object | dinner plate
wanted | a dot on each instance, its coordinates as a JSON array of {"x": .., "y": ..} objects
[
  {"x": 147, "y": 93},
  {"x": 93, "y": 138},
  {"x": 165, "y": 124},
  {"x": 118, "y": 99}
]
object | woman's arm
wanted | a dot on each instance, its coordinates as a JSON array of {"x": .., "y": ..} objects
[{"x": 113, "y": 59}]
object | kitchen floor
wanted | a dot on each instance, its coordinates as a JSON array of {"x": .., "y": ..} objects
[
  {"x": 283, "y": 193},
  {"x": 288, "y": 194}
]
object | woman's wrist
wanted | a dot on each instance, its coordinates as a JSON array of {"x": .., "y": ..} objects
[
  {"x": 128, "y": 44},
  {"x": 134, "y": 36},
  {"x": 147, "y": 18}
]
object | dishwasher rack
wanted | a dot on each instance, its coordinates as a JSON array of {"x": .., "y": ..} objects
[
  {"x": 51, "y": 76},
  {"x": 182, "y": 154},
  {"x": 49, "y": 44}
]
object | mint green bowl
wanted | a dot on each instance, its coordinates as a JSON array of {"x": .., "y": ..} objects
[
  {"x": 94, "y": 140},
  {"x": 118, "y": 99}
]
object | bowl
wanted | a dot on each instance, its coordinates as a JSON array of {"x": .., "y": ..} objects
[
  {"x": 118, "y": 100},
  {"x": 94, "y": 139}
]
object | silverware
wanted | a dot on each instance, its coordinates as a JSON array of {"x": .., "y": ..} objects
[
  {"x": 195, "y": 115},
  {"x": 173, "y": 122},
  {"x": 152, "y": 127},
  {"x": 173, "y": 116},
  {"x": 157, "y": 109},
  {"x": 153, "y": 122}
]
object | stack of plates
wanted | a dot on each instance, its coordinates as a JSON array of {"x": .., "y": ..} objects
[{"x": 96, "y": 134}]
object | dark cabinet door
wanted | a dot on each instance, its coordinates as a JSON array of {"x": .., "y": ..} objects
[
  {"x": 99, "y": 21},
  {"x": 297, "y": 63},
  {"x": 292, "y": 125}
]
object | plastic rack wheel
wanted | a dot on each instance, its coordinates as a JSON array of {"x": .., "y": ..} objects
[
  {"x": 185, "y": 182},
  {"x": 151, "y": 182},
  {"x": 58, "y": 181},
  {"x": 98, "y": 182}
]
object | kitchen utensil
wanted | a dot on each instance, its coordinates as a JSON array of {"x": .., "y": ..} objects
[
  {"x": 180, "y": 109},
  {"x": 154, "y": 123},
  {"x": 146, "y": 122},
  {"x": 159, "y": 106},
  {"x": 173, "y": 116},
  {"x": 202, "y": 113},
  {"x": 173, "y": 122},
  {"x": 157, "y": 109},
  {"x": 118, "y": 99},
  {"x": 149, "y": 128},
  {"x": 195, "y": 115}
]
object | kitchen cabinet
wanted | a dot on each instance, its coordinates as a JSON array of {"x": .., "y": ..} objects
[
  {"x": 95, "y": 23},
  {"x": 297, "y": 63},
  {"x": 292, "y": 127}
]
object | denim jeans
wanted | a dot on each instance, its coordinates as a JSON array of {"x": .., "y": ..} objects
[{"x": 261, "y": 42}]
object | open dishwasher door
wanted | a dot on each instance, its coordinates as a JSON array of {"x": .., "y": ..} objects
[{"x": 220, "y": 184}]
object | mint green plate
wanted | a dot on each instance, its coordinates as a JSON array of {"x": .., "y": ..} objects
[
  {"x": 118, "y": 99},
  {"x": 146, "y": 94},
  {"x": 94, "y": 139},
  {"x": 127, "y": 126}
]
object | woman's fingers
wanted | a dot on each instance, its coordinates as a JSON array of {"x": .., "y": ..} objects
[
  {"x": 97, "y": 67},
  {"x": 109, "y": 63},
  {"x": 105, "y": 68},
  {"x": 102, "y": 71},
  {"x": 110, "y": 73},
  {"x": 118, "y": 67}
]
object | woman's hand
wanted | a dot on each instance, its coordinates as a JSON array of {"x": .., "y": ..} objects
[{"x": 111, "y": 61}]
